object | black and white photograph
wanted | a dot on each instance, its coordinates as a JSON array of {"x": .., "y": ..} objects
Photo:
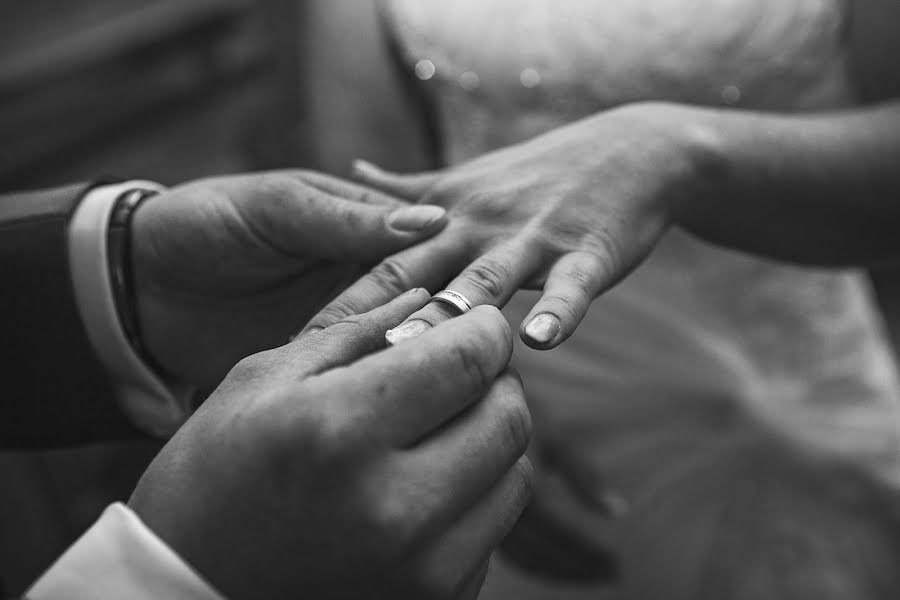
[{"x": 450, "y": 299}]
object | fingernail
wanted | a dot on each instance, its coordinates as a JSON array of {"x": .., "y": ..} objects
[
  {"x": 364, "y": 168},
  {"x": 406, "y": 331},
  {"x": 542, "y": 328},
  {"x": 416, "y": 218}
]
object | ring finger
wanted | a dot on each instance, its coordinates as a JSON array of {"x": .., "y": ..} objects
[
  {"x": 491, "y": 279},
  {"x": 426, "y": 265}
]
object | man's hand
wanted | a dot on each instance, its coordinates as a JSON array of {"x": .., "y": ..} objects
[
  {"x": 229, "y": 266},
  {"x": 317, "y": 471}
]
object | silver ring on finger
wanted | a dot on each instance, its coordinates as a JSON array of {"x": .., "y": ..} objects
[{"x": 454, "y": 300}]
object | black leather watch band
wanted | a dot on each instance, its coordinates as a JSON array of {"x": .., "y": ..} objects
[{"x": 118, "y": 243}]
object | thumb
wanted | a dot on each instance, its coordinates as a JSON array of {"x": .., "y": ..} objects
[{"x": 410, "y": 187}]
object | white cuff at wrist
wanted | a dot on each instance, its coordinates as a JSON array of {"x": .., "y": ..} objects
[
  {"x": 152, "y": 405},
  {"x": 119, "y": 557}
]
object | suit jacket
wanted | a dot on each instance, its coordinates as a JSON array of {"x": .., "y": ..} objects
[{"x": 53, "y": 390}]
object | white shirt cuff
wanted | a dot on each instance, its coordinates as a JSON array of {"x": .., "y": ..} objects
[
  {"x": 153, "y": 405},
  {"x": 119, "y": 557}
]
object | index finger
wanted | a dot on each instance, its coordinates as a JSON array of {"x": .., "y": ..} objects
[
  {"x": 351, "y": 338},
  {"x": 428, "y": 265},
  {"x": 412, "y": 389},
  {"x": 491, "y": 279}
]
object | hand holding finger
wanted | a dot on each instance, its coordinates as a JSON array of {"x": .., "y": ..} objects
[
  {"x": 352, "y": 337},
  {"x": 427, "y": 265},
  {"x": 491, "y": 279},
  {"x": 445, "y": 371},
  {"x": 320, "y": 462},
  {"x": 607, "y": 212}
]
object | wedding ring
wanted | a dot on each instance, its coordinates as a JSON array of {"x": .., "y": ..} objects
[{"x": 454, "y": 299}]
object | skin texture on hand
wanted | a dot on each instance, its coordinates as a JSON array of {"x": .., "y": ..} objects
[
  {"x": 229, "y": 266},
  {"x": 570, "y": 212},
  {"x": 321, "y": 470}
]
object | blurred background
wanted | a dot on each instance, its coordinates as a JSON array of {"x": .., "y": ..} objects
[{"x": 167, "y": 90}]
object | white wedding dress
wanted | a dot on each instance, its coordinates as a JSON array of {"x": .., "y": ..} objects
[{"x": 716, "y": 391}]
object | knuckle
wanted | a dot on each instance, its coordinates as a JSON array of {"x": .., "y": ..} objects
[
  {"x": 581, "y": 276},
  {"x": 488, "y": 277},
  {"x": 331, "y": 437},
  {"x": 278, "y": 185},
  {"x": 371, "y": 197},
  {"x": 434, "y": 313},
  {"x": 524, "y": 472},
  {"x": 285, "y": 428},
  {"x": 390, "y": 274},
  {"x": 467, "y": 359},
  {"x": 610, "y": 251},
  {"x": 350, "y": 215},
  {"x": 325, "y": 430},
  {"x": 245, "y": 369},
  {"x": 348, "y": 324},
  {"x": 393, "y": 523},
  {"x": 563, "y": 305},
  {"x": 335, "y": 312},
  {"x": 479, "y": 202},
  {"x": 251, "y": 367}
]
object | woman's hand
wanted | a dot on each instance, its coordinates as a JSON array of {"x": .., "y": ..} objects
[{"x": 572, "y": 212}]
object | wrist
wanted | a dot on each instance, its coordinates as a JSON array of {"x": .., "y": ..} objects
[
  {"x": 153, "y": 405},
  {"x": 695, "y": 148},
  {"x": 154, "y": 266}
]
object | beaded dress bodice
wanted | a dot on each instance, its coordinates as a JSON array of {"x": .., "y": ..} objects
[{"x": 505, "y": 70}]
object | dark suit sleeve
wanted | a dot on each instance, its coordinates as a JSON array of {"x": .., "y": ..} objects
[{"x": 53, "y": 390}]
